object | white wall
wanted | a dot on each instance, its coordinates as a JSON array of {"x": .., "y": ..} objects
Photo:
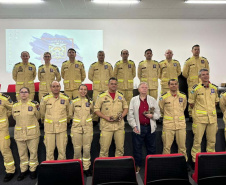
[{"x": 137, "y": 35}]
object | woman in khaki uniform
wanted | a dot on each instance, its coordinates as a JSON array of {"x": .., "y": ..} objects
[
  {"x": 82, "y": 127},
  {"x": 26, "y": 133}
]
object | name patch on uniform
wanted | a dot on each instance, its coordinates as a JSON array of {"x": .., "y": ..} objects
[
  {"x": 143, "y": 68},
  {"x": 167, "y": 102},
  {"x": 154, "y": 66},
  {"x": 30, "y": 108},
  {"x": 105, "y": 66},
  {"x": 30, "y": 68},
  {"x": 120, "y": 97},
  {"x": 202, "y": 61},
  {"x": 129, "y": 65},
  {"x": 76, "y": 65},
  {"x": 106, "y": 101},
  {"x": 175, "y": 65},
  {"x": 180, "y": 100},
  {"x": 51, "y": 70},
  {"x": 77, "y": 105},
  {"x": 62, "y": 101},
  {"x": 212, "y": 91},
  {"x": 87, "y": 104}
]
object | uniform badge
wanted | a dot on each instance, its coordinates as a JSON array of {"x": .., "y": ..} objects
[
  {"x": 160, "y": 98},
  {"x": 175, "y": 65},
  {"x": 30, "y": 108},
  {"x": 202, "y": 61},
  {"x": 30, "y": 68},
  {"x": 105, "y": 66},
  {"x": 192, "y": 92},
  {"x": 20, "y": 69},
  {"x": 62, "y": 101},
  {"x": 180, "y": 100},
  {"x": 129, "y": 66},
  {"x": 76, "y": 65},
  {"x": 120, "y": 97},
  {"x": 51, "y": 70},
  {"x": 212, "y": 91},
  {"x": 154, "y": 66},
  {"x": 87, "y": 104},
  {"x": 0, "y": 102},
  {"x": 43, "y": 70}
]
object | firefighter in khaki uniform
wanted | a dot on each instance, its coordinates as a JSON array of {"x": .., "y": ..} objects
[
  {"x": 191, "y": 69},
  {"x": 223, "y": 108},
  {"x": 73, "y": 73},
  {"x": 169, "y": 69},
  {"x": 148, "y": 71},
  {"x": 5, "y": 107},
  {"x": 111, "y": 107},
  {"x": 125, "y": 72},
  {"x": 172, "y": 105},
  {"x": 46, "y": 74},
  {"x": 26, "y": 133},
  {"x": 99, "y": 74},
  {"x": 54, "y": 108},
  {"x": 24, "y": 74},
  {"x": 203, "y": 99},
  {"x": 82, "y": 127}
]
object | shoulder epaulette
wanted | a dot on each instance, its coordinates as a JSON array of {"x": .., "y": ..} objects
[
  {"x": 223, "y": 93},
  {"x": 188, "y": 58},
  {"x": 15, "y": 102},
  {"x": 54, "y": 65},
  {"x": 204, "y": 57},
  {"x": 120, "y": 92},
  {"x": 41, "y": 66},
  {"x": 119, "y": 62},
  {"x": 155, "y": 61},
  {"x": 214, "y": 86},
  {"x": 108, "y": 63},
  {"x": 35, "y": 102},
  {"x": 182, "y": 94},
  {"x": 66, "y": 95},
  {"x": 194, "y": 86},
  {"x": 6, "y": 95},
  {"x": 80, "y": 61},
  {"x": 46, "y": 95},
  {"x": 65, "y": 61},
  {"x": 93, "y": 63},
  {"x": 17, "y": 63},
  {"x": 175, "y": 60},
  {"x": 32, "y": 64},
  {"x": 161, "y": 61},
  {"x": 164, "y": 94},
  {"x": 141, "y": 62},
  {"x": 75, "y": 98},
  {"x": 102, "y": 94},
  {"x": 131, "y": 61}
]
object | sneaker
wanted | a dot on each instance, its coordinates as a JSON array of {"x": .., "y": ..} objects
[
  {"x": 22, "y": 175},
  {"x": 88, "y": 173},
  {"x": 33, "y": 175},
  {"x": 8, "y": 177},
  {"x": 137, "y": 169}
]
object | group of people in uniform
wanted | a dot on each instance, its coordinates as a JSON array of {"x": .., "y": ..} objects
[{"x": 112, "y": 93}]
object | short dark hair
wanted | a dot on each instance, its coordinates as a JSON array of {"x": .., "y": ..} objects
[
  {"x": 112, "y": 78},
  {"x": 25, "y": 52},
  {"x": 172, "y": 80},
  {"x": 47, "y": 53},
  {"x": 147, "y": 50},
  {"x": 100, "y": 52},
  {"x": 201, "y": 70},
  {"x": 195, "y": 46},
  {"x": 71, "y": 49},
  {"x": 124, "y": 50},
  {"x": 28, "y": 90}
]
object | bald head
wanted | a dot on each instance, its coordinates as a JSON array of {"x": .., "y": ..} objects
[
  {"x": 55, "y": 88},
  {"x": 169, "y": 54}
]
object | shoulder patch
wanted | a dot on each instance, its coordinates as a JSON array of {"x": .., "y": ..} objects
[
  {"x": 35, "y": 102},
  {"x": 41, "y": 66}
]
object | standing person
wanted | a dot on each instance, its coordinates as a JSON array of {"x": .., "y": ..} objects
[
  {"x": 26, "y": 133},
  {"x": 172, "y": 105},
  {"x": 223, "y": 109},
  {"x": 99, "y": 74},
  {"x": 169, "y": 69},
  {"x": 148, "y": 71},
  {"x": 82, "y": 127},
  {"x": 6, "y": 105},
  {"x": 24, "y": 74},
  {"x": 54, "y": 107},
  {"x": 111, "y": 107},
  {"x": 46, "y": 74},
  {"x": 125, "y": 72},
  {"x": 203, "y": 99},
  {"x": 142, "y": 116},
  {"x": 73, "y": 73},
  {"x": 191, "y": 69}
]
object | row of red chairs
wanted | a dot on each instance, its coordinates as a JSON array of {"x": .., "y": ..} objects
[{"x": 210, "y": 168}]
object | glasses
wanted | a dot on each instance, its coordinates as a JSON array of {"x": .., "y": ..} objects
[
  {"x": 23, "y": 92},
  {"x": 57, "y": 86},
  {"x": 47, "y": 56}
]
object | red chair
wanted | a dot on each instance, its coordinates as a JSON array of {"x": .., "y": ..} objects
[
  {"x": 11, "y": 88},
  {"x": 166, "y": 169},
  {"x": 63, "y": 172},
  {"x": 210, "y": 168},
  {"x": 37, "y": 86},
  {"x": 89, "y": 87}
]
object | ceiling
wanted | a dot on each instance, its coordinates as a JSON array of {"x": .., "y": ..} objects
[{"x": 84, "y": 9}]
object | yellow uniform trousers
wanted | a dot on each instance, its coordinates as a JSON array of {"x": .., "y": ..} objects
[
  {"x": 106, "y": 139},
  {"x": 128, "y": 94},
  {"x": 153, "y": 93},
  {"x": 71, "y": 94},
  {"x": 82, "y": 141},
  {"x": 198, "y": 130},
  {"x": 168, "y": 138},
  {"x": 52, "y": 141},
  {"x": 23, "y": 147},
  {"x": 7, "y": 154}
]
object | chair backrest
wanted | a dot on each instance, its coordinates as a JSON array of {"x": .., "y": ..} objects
[
  {"x": 11, "y": 88},
  {"x": 63, "y": 172},
  {"x": 210, "y": 168},
  {"x": 36, "y": 86},
  {"x": 166, "y": 169},
  {"x": 89, "y": 87},
  {"x": 114, "y": 170}
]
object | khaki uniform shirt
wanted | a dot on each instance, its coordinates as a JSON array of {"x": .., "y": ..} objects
[
  {"x": 46, "y": 75},
  {"x": 6, "y": 105},
  {"x": 26, "y": 116},
  {"x": 148, "y": 71},
  {"x": 223, "y": 104},
  {"x": 56, "y": 112},
  {"x": 24, "y": 76},
  {"x": 169, "y": 70},
  {"x": 82, "y": 110},
  {"x": 109, "y": 107},
  {"x": 73, "y": 74},
  {"x": 172, "y": 108},
  {"x": 191, "y": 69},
  {"x": 204, "y": 100},
  {"x": 125, "y": 72},
  {"x": 99, "y": 74}
]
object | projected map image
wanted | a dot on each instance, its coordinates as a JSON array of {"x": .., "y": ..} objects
[{"x": 37, "y": 41}]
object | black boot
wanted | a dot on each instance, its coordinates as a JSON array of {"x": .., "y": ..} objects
[
  {"x": 8, "y": 177},
  {"x": 88, "y": 173},
  {"x": 22, "y": 175},
  {"x": 33, "y": 175}
]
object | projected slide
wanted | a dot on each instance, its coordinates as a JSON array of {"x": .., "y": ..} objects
[{"x": 37, "y": 41}]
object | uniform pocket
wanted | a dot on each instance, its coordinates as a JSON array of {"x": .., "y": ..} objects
[
  {"x": 31, "y": 130},
  {"x": 3, "y": 124}
]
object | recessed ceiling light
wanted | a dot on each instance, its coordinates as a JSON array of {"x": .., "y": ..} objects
[
  {"x": 21, "y": 1},
  {"x": 205, "y": 2},
  {"x": 116, "y": 1}
]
